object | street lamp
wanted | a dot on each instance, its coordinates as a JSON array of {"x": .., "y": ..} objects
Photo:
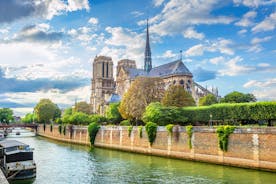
[{"x": 211, "y": 116}]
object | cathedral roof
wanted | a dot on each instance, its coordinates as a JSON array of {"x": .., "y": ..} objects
[
  {"x": 114, "y": 98},
  {"x": 173, "y": 68}
]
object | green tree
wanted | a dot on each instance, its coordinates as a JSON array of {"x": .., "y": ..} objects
[
  {"x": 83, "y": 107},
  {"x": 176, "y": 95},
  {"x": 46, "y": 111},
  {"x": 29, "y": 118},
  {"x": 6, "y": 115},
  {"x": 238, "y": 97},
  {"x": 113, "y": 114},
  {"x": 79, "y": 118},
  {"x": 208, "y": 100},
  {"x": 142, "y": 92},
  {"x": 66, "y": 115}
]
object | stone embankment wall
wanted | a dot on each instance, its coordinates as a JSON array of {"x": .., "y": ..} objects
[{"x": 247, "y": 147}]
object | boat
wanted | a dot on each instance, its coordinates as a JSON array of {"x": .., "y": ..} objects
[
  {"x": 17, "y": 133},
  {"x": 16, "y": 160}
]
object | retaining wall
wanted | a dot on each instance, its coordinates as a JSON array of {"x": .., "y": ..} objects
[{"x": 247, "y": 147}]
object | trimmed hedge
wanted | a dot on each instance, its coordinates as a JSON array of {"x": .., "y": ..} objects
[
  {"x": 151, "y": 129},
  {"x": 93, "y": 129},
  {"x": 231, "y": 112}
]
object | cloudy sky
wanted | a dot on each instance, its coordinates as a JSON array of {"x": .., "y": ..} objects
[{"x": 47, "y": 46}]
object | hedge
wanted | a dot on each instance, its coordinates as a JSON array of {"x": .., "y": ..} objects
[{"x": 162, "y": 115}]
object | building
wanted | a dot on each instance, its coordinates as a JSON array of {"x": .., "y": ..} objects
[{"x": 105, "y": 90}]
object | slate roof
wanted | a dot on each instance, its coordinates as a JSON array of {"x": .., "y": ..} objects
[
  {"x": 114, "y": 98},
  {"x": 173, "y": 68}
]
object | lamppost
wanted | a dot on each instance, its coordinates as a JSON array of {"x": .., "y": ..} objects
[{"x": 211, "y": 116}]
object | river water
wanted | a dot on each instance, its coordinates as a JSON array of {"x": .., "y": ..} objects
[{"x": 60, "y": 163}]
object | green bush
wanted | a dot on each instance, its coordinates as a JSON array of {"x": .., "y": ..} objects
[
  {"x": 189, "y": 130},
  {"x": 162, "y": 115},
  {"x": 129, "y": 130},
  {"x": 140, "y": 129},
  {"x": 64, "y": 130},
  {"x": 151, "y": 129},
  {"x": 44, "y": 127},
  {"x": 169, "y": 128},
  {"x": 93, "y": 129},
  {"x": 60, "y": 128},
  {"x": 223, "y": 133},
  {"x": 125, "y": 123},
  {"x": 51, "y": 127},
  {"x": 97, "y": 118},
  {"x": 112, "y": 113}
]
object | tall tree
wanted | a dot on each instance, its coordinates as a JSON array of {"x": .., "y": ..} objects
[
  {"x": 6, "y": 115},
  {"x": 83, "y": 107},
  {"x": 238, "y": 97},
  {"x": 208, "y": 100},
  {"x": 142, "y": 92},
  {"x": 176, "y": 95},
  {"x": 29, "y": 118},
  {"x": 113, "y": 114},
  {"x": 46, "y": 111}
]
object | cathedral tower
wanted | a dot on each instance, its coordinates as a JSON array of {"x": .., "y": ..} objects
[
  {"x": 147, "y": 61},
  {"x": 103, "y": 84}
]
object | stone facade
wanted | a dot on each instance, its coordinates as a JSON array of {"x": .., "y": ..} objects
[{"x": 102, "y": 84}]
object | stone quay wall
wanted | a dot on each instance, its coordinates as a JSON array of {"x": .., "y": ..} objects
[{"x": 247, "y": 147}]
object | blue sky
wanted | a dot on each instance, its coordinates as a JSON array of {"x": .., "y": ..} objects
[{"x": 47, "y": 46}]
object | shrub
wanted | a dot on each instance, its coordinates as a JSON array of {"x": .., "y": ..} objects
[
  {"x": 169, "y": 128},
  {"x": 189, "y": 130},
  {"x": 151, "y": 129},
  {"x": 140, "y": 129},
  {"x": 97, "y": 118},
  {"x": 44, "y": 127},
  {"x": 51, "y": 127},
  {"x": 125, "y": 123},
  {"x": 64, "y": 130},
  {"x": 112, "y": 113},
  {"x": 93, "y": 129},
  {"x": 60, "y": 128},
  {"x": 223, "y": 133},
  {"x": 129, "y": 130}
]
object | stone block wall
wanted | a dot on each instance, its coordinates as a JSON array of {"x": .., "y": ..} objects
[{"x": 247, "y": 147}]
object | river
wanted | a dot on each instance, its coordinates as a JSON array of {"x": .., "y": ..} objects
[{"x": 60, "y": 163}]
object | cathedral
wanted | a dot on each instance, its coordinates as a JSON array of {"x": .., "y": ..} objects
[{"x": 105, "y": 90}]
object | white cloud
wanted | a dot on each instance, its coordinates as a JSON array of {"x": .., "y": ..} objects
[
  {"x": 217, "y": 60},
  {"x": 192, "y": 33},
  {"x": 168, "y": 54},
  {"x": 268, "y": 24},
  {"x": 137, "y": 13},
  {"x": 247, "y": 19},
  {"x": 196, "y": 50},
  {"x": 232, "y": 68},
  {"x": 254, "y": 3},
  {"x": 263, "y": 64},
  {"x": 158, "y": 2},
  {"x": 93, "y": 20},
  {"x": 242, "y": 31},
  {"x": 74, "y": 5},
  {"x": 221, "y": 45},
  {"x": 260, "y": 84},
  {"x": 176, "y": 16},
  {"x": 260, "y": 40},
  {"x": 265, "y": 94}
]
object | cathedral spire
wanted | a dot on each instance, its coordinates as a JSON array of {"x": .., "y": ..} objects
[{"x": 147, "y": 61}]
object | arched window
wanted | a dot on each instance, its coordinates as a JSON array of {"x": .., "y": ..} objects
[
  {"x": 174, "y": 82},
  {"x": 181, "y": 82}
]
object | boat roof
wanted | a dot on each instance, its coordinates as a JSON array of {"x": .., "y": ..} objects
[{"x": 11, "y": 143}]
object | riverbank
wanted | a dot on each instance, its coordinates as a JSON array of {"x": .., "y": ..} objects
[{"x": 248, "y": 147}]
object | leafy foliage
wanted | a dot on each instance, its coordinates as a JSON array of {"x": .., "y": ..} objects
[
  {"x": 208, "y": 100},
  {"x": 169, "y": 128},
  {"x": 125, "y": 123},
  {"x": 51, "y": 128},
  {"x": 29, "y": 118},
  {"x": 151, "y": 129},
  {"x": 177, "y": 96},
  {"x": 189, "y": 130},
  {"x": 223, "y": 133},
  {"x": 60, "y": 129},
  {"x": 46, "y": 111},
  {"x": 162, "y": 115},
  {"x": 44, "y": 127},
  {"x": 64, "y": 130},
  {"x": 238, "y": 97},
  {"x": 6, "y": 115},
  {"x": 112, "y": 113},
  {"x": 83, "y": 107},
  {"x": 142, "y": 92},
  {"x": 93, "y": 129},
  {"x": 129, "y": 130},
  {"x": 140, "y": 129}
]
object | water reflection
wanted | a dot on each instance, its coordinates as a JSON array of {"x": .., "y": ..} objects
[{"x": 66, "y": 163}]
